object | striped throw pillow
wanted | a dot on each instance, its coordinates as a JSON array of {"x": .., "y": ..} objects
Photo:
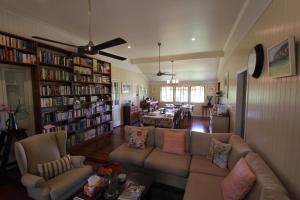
[{"x": 54, "y": 168}]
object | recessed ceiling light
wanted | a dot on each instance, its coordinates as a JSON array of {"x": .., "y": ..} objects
[
  {"x": 193, "y": 39},
  {"x": 129, "y": 47}
]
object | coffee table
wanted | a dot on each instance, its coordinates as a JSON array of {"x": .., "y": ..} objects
[{"x": 136, "y": 177}]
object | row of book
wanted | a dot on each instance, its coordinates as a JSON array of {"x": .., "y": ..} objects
[
  {"x": 55, "y": 75},
  {"x": 77, "y": 126},
  {"x": 57, "y": 116},
  {"x": 52, "y": 90},
  {"x": 101, "y": 67},
  {"x": 101, "y": 79},
  {"x": 82, "y": 70},
  {"x": 56, "y": 101},
  {"x": 13, "y": 42},
  {"x": 13, "y": 55},
  {"x": 81, "y": 78},
  {"x": 93, "y": 121},
  {"x": 89, "y": 89},
  {"x": 55, "y": 128},
  {"x": 82, "y": 61},
  {"x": 47, "y": 57}
]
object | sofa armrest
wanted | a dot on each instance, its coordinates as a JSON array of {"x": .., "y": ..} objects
[
  {"x": 30, "y": 180},
  {"x": 77, "y": 161}
]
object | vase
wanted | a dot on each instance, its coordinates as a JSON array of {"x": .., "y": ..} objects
[{"x": 111, "y": 191}]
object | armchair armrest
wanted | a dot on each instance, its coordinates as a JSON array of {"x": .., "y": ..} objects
[
  {"x": 77, "y": 161},
  {"x": 30, "y": 180}
]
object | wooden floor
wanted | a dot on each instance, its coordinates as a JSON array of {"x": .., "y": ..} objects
[{"x": 95, "y": 152}]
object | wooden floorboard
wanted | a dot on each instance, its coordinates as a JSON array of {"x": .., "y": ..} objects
[{"x": 95, "y": 152}]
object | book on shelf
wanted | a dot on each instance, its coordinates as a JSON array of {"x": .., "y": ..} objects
[
  {"x": 14, "y": 55},
  {"x": 52, "y": 90},
  {"x": 13, "y": 42},
  {"x": 82, "y": 78},
  {"x": 82, "y": 70},
  {"x": 132, "y": 191},
  {"x": 48, "y": 74},
  {"x": 51, "y": 58},
  {"x": 56, "y": 101},
  {"x": 83, "y": 61}
]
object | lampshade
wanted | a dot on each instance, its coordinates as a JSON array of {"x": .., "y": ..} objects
[{"x": 168, "y": 81}]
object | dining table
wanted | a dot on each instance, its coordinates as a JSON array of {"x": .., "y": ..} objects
[{"x": 158, "y": 119}]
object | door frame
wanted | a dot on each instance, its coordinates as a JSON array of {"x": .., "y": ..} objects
[
  {"x": 119, "y": 90},
  {"x": 241, "y": 109}
]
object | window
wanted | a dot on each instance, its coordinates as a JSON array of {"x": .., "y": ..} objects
[
  {"x": 197, "y": 94},
  {"x": 166, "y": 94},
  {"x": 181, "y": 94}
]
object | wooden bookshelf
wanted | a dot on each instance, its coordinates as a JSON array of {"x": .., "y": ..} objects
[{"x": 71, "y": 92}]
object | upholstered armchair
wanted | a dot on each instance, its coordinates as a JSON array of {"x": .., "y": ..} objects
[{"x": 44, "y": 148}]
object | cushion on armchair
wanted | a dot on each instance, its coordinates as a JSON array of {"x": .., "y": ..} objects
[{"x": 54, "y": 168}]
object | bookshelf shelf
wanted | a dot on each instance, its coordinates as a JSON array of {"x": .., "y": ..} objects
[{"x": 73, "y": 89}]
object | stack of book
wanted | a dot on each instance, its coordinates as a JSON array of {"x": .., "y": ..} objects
[
  {"x": 55, "y": 75},
  {"x": 52, "y": 90},
  {"x": 82, "y": 61}
]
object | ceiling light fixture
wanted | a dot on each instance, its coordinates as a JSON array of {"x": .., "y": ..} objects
[
  {"x": 172, "y": 80},
  {"x": 193, "y": 39},
  {"x": 129, "y": 47}
]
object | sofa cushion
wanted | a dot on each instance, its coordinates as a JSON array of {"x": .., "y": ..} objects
[
  {"x": 125, "y": 154},
  {"x": 200, "y": 142},
  {"x": 267, "y": 184},
  {"x": 174, "y": 142},
  {"x": 203, "y": 186},
  {"x": 159, "y": 137},
  {"x": 238, "y": 182},
  {"x": 239, "y": 150},
  {"x": 150, "y": 133},
  {"x": 200, "y": 164},
  {"x": 168, "y": 163},
  {"x": 64, "y": 185}
]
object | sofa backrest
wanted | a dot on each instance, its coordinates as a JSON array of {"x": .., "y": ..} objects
[
  {"x": 159, "y": 138},
  {"x": 150, "y": 133},
  {"x": 38, "y": 149},
  {"x": 267, "y": 185},
  {"x": 239, "y": 149},
  {"x": 200, "y": 142}
]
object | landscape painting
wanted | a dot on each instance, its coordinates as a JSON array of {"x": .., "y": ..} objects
[{"x": 281, "y": 59}]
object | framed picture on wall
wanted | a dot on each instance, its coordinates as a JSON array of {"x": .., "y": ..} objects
[
  {"x": 226, "y": 85},
  {"x": 126, "y": 88},
  {"x": 281, "y": 59}
]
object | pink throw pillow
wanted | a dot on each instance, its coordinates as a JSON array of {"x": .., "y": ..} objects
[
  {"x": 174, "y": 142},
  {"x": 238, "y": 182}
]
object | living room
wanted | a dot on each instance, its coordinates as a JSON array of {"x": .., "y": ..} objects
[{"x": 180, "y": 100}]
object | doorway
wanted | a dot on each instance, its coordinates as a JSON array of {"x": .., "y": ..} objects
[
  {"x": 116, "y": 108},
  {"x": 241, "y": 103},
  {"x": 15, "y": 88}
]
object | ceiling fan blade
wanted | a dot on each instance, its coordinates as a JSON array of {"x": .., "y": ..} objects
[
  {"x": 53, "y": 41},
  {"x": 111, "y": 55},
  {"x": 110, "y": 43}
]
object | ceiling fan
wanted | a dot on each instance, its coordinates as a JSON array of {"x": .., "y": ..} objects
[
  {"x": 90, "y": 48},
  {"x": 160, "y": 73}
]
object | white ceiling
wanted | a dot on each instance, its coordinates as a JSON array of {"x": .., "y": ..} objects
[{"x": 143, "y": 23}]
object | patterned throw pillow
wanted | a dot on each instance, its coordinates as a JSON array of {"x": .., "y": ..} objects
[
  {"x": 137, "y": 138},
  {"x": 219, "y": 153},
  {"x": 54, "y": 168}
]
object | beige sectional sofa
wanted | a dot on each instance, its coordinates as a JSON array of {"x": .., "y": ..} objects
[{"x": 193, "y": 172}]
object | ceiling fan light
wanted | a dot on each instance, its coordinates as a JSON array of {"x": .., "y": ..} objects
[
  {"x": 177, "y": 81},
  {"x": 168, "y": 81},
  {"x": 173, "y": 81}
]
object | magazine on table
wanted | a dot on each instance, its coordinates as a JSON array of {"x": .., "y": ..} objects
[{"x": 132, "y": 191}]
